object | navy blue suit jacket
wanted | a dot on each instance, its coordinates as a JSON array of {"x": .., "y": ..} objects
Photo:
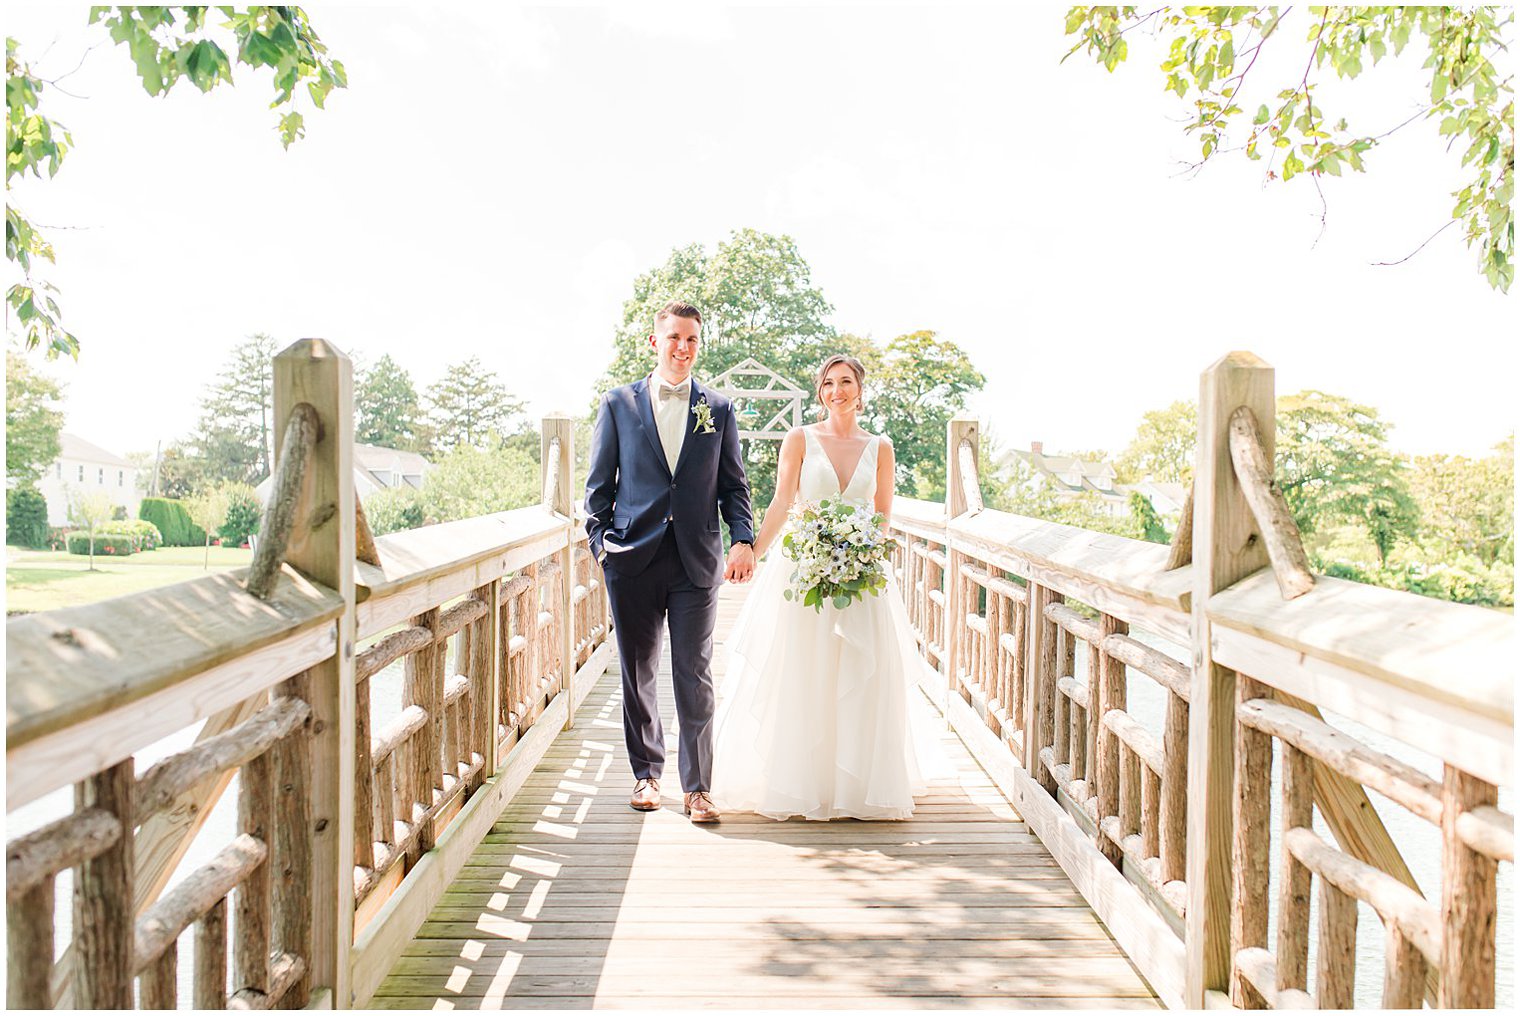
[{"x": 632, "y": 497}]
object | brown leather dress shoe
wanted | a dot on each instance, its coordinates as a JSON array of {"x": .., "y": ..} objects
[
  {"x": 646, "y": 796},
  {"x": 700, "y": 807}
]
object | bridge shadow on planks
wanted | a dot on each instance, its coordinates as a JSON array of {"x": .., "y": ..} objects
[{"x": 576, "y": 901}]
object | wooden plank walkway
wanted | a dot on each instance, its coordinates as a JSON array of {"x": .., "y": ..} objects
[{"x": 574, "y": 901}]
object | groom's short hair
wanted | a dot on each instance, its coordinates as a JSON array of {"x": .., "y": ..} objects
[{"x": 677, "y": 308}]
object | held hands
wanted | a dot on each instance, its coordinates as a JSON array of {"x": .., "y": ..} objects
[{"x": 741, "y": 563}]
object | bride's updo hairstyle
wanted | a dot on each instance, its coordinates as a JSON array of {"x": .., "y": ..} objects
[{"x": 856, "y": 368}]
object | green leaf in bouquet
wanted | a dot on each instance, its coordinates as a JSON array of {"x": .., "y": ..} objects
[
  {"x": 786, "y": 594},
  {"x": 841, "y": 601}
]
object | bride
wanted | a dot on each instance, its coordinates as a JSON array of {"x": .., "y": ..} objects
[{"x": 819, "y": 716}]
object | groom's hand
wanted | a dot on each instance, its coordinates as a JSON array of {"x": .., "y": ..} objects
[{"x": 741, "y": 563}]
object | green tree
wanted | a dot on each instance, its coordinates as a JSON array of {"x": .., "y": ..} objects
[
  {"x": 208, "y": 510},
  {"x": 1334, "y": 466},
  {"x": 385, "y": 400},
  {"x": 1163, "y": 447},
  {"x": 757, "y": 299},
  {"x": 166, "y": 45},
  {"x": 471, "y": 481},
  {"x": 1210, "y": 52},
  {"x": 26, "y": 517},
  {"x": 922, "y": 382},
  {"x": 234, "y": 435},
  {"x": 394, "y": 509},
  {"x": 468, "y": 405},
  {"x": 89, "y": 512},
  {"x": 1147, "y": 520},
  {"x": 1467, "y": 505},
  {"x": 33, "y": 420},
  {"x": 181, "y": 472},
  {"x": 242, "y": 516}
]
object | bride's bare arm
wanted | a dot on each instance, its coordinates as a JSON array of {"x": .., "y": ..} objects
[
  {"x": 788, "y": 473},
  {"x": 886, "y": 477}
]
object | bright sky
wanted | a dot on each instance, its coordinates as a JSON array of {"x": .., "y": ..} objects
[{"x": 493, "y": 180}]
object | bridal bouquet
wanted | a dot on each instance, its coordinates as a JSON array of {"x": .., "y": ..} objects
[{"x": 840, "y": 552}]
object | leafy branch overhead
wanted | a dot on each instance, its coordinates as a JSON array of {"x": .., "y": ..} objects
[
  {"x": 1212, "y": 51},
  {"x": 166, "y": 45}
]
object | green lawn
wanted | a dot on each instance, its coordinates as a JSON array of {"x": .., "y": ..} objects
[{"x": 48, "y": 579}]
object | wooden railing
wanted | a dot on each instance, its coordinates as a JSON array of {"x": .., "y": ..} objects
[
  {"x": 1036, "y": 633},
  {"x": 347, "y": 830}
]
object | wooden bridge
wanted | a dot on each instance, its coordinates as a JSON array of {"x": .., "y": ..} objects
[{"x": 472, "y": 848}]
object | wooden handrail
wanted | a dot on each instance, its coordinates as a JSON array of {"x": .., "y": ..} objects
[
  {"x": 1294, "y": 644},
  {"x": 1001, "y": 607}
]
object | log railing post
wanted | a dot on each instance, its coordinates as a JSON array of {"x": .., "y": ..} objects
[
  {"x": 558, "y": 457},
  {"x": 322, "y": 547},
  {"x": 953, "y": 643},
  {"x": 1110, "y": 691},
  {"x": 1469, "y": 899},
  {"x": 1039, "y": 683},
  {"x": 1227, "y": 546},
  {"x": 958, "y": 479},
  {"x": 103, "y": 917},
  {"x": 485, "y": 679}
]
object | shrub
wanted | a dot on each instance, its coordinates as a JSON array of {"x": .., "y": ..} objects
[
  {"x": 26, "y": 521},
  {"x": 119, "y": 513},
  {"x": 243, "y": 510},
  {"x": 473, "y": 481},
  {"x": 144, "y": 534},
  {"x": 173, "y": 522},
  {"x": 111, "y": 545},
  {"x": 1463, "y": 580},
  {"x": 394, "y": 509}
]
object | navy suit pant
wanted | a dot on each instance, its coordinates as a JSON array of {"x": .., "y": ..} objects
[{"x": 642, "y": 605}]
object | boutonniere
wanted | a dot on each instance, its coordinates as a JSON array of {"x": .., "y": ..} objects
[{"x": 703, "y": 412}]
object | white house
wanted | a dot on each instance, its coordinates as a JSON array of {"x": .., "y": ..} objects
[
  {"x": 85, "y": 468},
  {"x": 1069, "y": 477},
  {"x": 375, "y": 469}
]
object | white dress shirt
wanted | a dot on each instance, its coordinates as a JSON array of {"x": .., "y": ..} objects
[{"x": 670, "y": 416}]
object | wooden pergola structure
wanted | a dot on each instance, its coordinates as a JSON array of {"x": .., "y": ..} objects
[{"x": 763, "y": 397}]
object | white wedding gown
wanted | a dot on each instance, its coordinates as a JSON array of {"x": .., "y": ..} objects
[{"x": 819, "y": 715}]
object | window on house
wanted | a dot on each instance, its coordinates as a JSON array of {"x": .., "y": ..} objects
[
  {"x": 100, "y": 477},
  {"x": 60, "y": 470},
  {"x": 121, "y": 478},
  {"x": 81, "y": 474}
]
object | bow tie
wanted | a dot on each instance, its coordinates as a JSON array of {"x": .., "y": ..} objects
[{"x": 681, "y": 391}]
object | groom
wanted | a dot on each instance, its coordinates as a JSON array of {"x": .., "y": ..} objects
[{"x": 664, "y": 463}]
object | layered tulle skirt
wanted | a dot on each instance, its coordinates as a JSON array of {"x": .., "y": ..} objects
[{"x": 819, "y": 715}]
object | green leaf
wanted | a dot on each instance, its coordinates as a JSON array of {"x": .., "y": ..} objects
[
  {"x": 1262, "y": 115},
  {"x": 1438, "y": 85},
  {"x": 292, "y": 128},
  {"x": 841, "y": 601}
]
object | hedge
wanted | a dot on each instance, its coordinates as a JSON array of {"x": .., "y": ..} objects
[
  {"x": 173, "y": 522},
  {"x": 112, "y": 544}
]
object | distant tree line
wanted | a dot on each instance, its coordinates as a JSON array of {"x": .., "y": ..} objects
[{"x": 1441, "y": 525}]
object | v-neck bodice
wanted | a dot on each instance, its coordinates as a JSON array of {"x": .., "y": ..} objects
[{"x": 819, "y": 479}]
